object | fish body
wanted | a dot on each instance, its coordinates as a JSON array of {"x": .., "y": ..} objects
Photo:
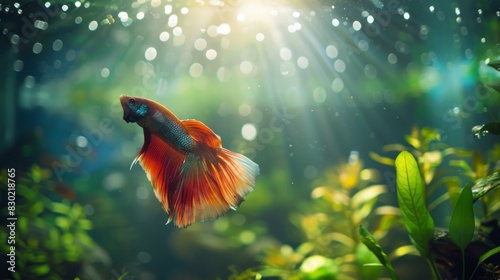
[{"x": 193, "y": 176}]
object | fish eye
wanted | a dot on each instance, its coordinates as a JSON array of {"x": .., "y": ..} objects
[{"x": 131, "y": 101}]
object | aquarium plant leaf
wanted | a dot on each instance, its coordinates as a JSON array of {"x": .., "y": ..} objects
[
  {"x": 485, "y": 185},
  {"x": 485, "y": 256},
  {"x": 411, "y": 199},
  {"x": 462, "y": 220},
  {"x": 372, "y": 244},
  {"x": 495, "y": 65},
  {"x": 483, "y": 129}
]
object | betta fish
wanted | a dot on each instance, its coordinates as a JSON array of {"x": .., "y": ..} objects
[{"x": 193, "y": 176}]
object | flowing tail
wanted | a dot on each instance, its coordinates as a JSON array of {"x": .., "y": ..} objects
[{"x": 200, "y": 185}]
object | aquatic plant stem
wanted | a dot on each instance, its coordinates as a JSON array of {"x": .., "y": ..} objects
[{"x": 434, "y": 270}]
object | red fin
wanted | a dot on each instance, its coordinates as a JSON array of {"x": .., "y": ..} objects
[
  {"x": 202, "y": 133},
  {"x": 209, "y": 184},
  {"x": 161, "y": 162}
]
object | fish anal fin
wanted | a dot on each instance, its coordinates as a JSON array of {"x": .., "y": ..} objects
[{"x": 161, "y": 162}]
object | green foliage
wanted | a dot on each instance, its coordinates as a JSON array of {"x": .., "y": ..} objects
[
  {"x": 372, "y": 244},
  {"x": 52, "y": 238},
  {"x": 412, "y": 202},
  {"x": 462, "y": 220}
]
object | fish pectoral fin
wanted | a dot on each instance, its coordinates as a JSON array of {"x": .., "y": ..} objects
[{"x": 161, "y": 162}]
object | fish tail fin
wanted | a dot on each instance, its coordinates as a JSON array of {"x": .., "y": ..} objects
[{"x": 210, "y": 181}]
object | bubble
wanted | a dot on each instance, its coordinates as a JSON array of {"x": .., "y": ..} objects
[
  {"x": 370, "y": 71},
  {"x": 310, "y": 172},
  {"x": 211, "y": 54},
  {"x": 337, "y": 85},
  {"x": 285, "y": 54},
  {"x": 356, "y": 25},
  {"x": 105, "y": 72},
  {"x": 431, "y": 9},
  {"x": 93, "y": 25},
  {"x": 177, "y": 31},
  {"x": 196, "y": 70},
  {"x": 331, "y": 51},
  {"x": 81, "y": 141},
  {"x": 302, "y": 62},
  {"x": 339, "y": 65},
  {"x": 78, "y": 20},
  {"x": 212, "y": 31},
  {"x": 70, "y": 55},
  {"x": 184, "y": 10},
  {"x": 335, "y": 22},
  {"x": 222, "y": 74},
  {"x": 29, "y": 81},
  {"x": 18, "y": 65},
  {"x": 363, "y": 45},
  {"x": 144, "y": 257},
  {"x": 142, "y": 193},
  {"x": 164, "y": 36},
  {"x": 200, "y": 44},
  {"x": 150, "y": 53},
  {"x": 392, "y": 58},
  {"x": 57, "y": 45},
  {"x": 468, "y": 53},
  {"x": 37, "y": 48},
  {"x": 77, "y": 4},
  {"x": 168, "y": 9},
  {"x": 224, "y": 29},
  {"x": 406, "y": 15},
  {"x": 370, "y": 19},
  {"x": 40, "y": 24},
  {"x": 155, "y": 3},
  {"x": 57, "y": 64},
  {"x": 172, "y": 21},
  {"x": 14, "y": 39},
  {"x": 64, "y": 7},
  {"x": 140, "y": 15},
  {"x": 244, "y": 110},
  {"x": 246, "y": 67},
  {"x": 259, "y": 37},
  {"x": 319, "y": 95},
  {"x": 249, "y": 132}
]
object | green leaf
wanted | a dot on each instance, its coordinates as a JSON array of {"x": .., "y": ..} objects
[
  {"x": 411, "y": 199},
  {"x": 372, "y": 244},
  {"x": 462, "y": 220},
  {"x": 485, "y": 256}
]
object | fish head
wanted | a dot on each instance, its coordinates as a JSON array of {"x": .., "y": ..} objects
[{"x": 134, "y": 108}]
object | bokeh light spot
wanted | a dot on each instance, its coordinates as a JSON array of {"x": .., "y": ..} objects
[
  {"x": 249, "y": 132},
  {"x": 150, "y": 53}
]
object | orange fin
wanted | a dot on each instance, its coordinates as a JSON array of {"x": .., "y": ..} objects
[
  {"x": 161, "y": 162},
  {"x": 202, "y": 133},
  {"x": 211, "y": 181}
]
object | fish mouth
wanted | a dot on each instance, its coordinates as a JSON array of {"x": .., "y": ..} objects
[{"x": 126, "y": 110}]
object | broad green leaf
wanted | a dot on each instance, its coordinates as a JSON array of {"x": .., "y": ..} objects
[
  {"x": 372, "y": 244},
  {"x": 411, "y": 199},
  {"x": 462, "y": 220}
]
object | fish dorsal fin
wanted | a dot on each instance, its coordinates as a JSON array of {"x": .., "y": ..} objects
[
  {"x": 202, "y": 133},
  {"x": 161, "y": 162}
]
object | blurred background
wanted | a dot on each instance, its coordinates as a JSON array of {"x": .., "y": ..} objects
[{"x": 312, "y": 91}]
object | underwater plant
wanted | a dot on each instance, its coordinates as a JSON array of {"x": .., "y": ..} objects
[
  {"x": 52, "y": 238},
  {"x": 348, "y": 201}
]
